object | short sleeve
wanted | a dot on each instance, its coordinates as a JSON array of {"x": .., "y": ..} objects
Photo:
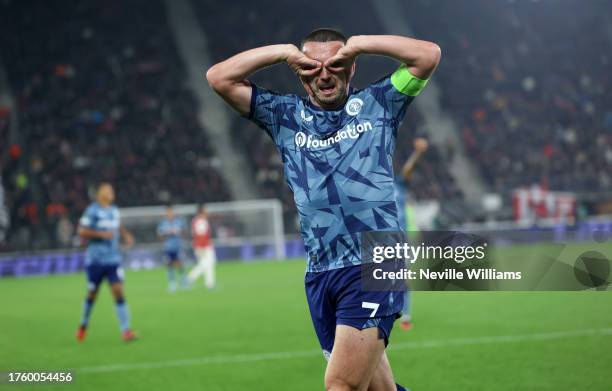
[
  {"x": 267, "y": 107},
  {"x": 88, "y": 219},
  {"x": 397, "y": 90},
  {"x": 160, "y": 228}
]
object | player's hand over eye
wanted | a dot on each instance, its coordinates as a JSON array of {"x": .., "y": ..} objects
[
  {"x": 343, "y": 59},
  {"x": 301, "y": 64}
]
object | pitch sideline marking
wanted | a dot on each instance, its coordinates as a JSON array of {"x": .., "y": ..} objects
[{"x": 240, "y": 358}]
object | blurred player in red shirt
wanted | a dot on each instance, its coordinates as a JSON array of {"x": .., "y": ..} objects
[{"x": 203, "y": 249}]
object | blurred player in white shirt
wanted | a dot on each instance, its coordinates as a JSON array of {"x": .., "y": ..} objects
[{"x": 203, "y": 249}]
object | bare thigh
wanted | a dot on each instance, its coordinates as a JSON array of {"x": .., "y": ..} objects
[
  {"x": 355, "y": 359},
  {"x": 383, "y": 377}
]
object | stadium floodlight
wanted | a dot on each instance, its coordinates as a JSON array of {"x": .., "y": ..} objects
[{"x": 252, "y": 227}]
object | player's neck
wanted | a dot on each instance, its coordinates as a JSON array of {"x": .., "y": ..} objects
[{"x": 325, "y": 107}]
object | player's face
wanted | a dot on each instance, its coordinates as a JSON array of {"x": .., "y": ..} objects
[
  {"x": 106, "y": 194},
  {"x": 169, "y": 213},
  {"x": 328, "y": 89}
]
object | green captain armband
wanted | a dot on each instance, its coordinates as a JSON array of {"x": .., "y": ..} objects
[{"x": 404, "y": 82}]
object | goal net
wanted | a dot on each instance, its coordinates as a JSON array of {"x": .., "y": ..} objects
[{"x": 240, "y": 229}]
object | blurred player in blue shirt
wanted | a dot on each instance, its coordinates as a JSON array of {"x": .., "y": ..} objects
[
  {"x": 337, "y": 146},
  {"x": 171, "y": 230},
  {"x": 100, "y": 228},
  {"x": 403, "y": 210}
]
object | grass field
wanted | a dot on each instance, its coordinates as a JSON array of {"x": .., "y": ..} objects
[{"x": 254, "y": 333}]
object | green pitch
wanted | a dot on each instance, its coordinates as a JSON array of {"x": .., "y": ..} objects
[{"x": 254, "y": 333}]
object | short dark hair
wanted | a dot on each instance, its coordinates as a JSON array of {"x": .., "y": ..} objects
[{"x": 324, "y": 35}]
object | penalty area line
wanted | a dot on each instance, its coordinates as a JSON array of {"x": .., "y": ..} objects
[{"x": 255, "y": 357}]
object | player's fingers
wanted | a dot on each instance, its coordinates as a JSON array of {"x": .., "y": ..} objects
[
  {"x": 333, "y": 62},
  {"x": 309, "y": 72},
  {"x": 339, "y": 58},
  {"x": 338, "y": 64},
  {"x": 306, "y": 62}
]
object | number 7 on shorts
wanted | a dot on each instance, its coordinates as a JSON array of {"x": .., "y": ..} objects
[{"x": 370, "y": 306}]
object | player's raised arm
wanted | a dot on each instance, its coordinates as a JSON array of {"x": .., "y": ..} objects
[
  {"x": 229, "y": 78},
  {"x": 421, "y": 57},
  {"x": 420, "y": 146}
]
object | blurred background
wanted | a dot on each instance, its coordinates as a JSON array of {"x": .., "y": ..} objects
[
  {"x": 519, "y": 113},
  {"x": 519, "y": 121}
]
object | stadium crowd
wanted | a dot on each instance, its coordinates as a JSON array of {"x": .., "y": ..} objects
[
  {"x": 101, "y": 96},
  {"x": 529, "y": 88}
]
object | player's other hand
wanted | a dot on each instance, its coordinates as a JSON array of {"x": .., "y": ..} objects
[
  {"x": 301, "y": 64},
  {"x": 420, "y": 144},
  {"x": 128, "y": 239},
  {"x": 343, "y": 59}
]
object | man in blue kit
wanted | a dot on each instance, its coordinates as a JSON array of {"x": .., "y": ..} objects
[
  {"x": 171, "y": 230},
  {"x": 100, "y": 228},
  {"x": 337, "y": 146},
  {"x": 404, "y": 215}
]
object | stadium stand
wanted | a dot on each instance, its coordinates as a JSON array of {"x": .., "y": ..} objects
[
  {"x": 101, "y": 96},
  {"x": 521, "y": 122}
]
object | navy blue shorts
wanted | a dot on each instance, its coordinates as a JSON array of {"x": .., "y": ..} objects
[
  {"x": 336, "y": 297},
  {"x": 96, "y": 274},
  {"x": 171, "y": 256}
]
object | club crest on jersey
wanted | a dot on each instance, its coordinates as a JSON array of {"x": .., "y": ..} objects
[
  {"x": 353, "y": 106},
  {"x": 304, "y": 117}
]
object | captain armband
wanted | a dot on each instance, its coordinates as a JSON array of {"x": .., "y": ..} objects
[{"x": 406, "y": 83}]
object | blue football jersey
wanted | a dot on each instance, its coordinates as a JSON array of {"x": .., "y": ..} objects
[
  {"x": 100, "y": 218},
  {"x": 172, "y": 231},
  {"x": 339, "y": 163}
]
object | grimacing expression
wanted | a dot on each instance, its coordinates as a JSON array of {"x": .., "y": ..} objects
[
  {"x": 329, "y": 89},
  {"x": 106, "y": 193}
]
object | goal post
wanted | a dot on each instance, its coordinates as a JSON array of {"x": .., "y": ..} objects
[{"x": 241, "y": 229}]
